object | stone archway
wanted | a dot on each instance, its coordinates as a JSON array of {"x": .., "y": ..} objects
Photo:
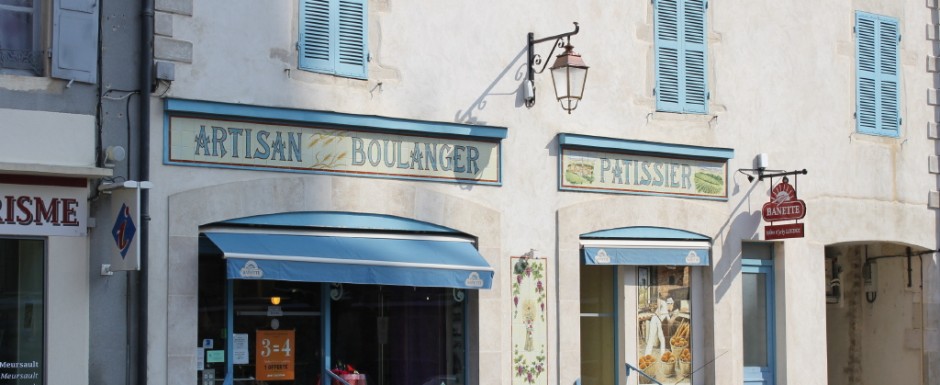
[
  {"x": 188, "y": 210},
  {"x": 875, "y": 326}
]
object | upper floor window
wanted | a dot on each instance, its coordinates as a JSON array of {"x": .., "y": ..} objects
[
  {"x": 73, "y": 33},
  {"x": 19, "y": 36},
  {"x": 333, "y": 37},
  {"x": 877, "y": 77},
  {"x": 681, "y": 56}
]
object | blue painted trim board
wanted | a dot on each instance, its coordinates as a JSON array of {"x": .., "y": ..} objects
[
  {"x": 359, "y": 122},
  {"x": 621, "y": 192},
  {"x": 326, "y": 340},
  {"x": 646, "y": 232},
  {"x": 616, "y": 298},
  {"x": 466, "y": 339},
  {"x": 229, "y": 332},
  {"x": 602, "y": 144},
  {"x": 341, "y": 220},
  {"x": 764, "y": 375}
]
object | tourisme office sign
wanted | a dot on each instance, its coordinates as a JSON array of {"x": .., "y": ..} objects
[{"x": 783, "y": 206}]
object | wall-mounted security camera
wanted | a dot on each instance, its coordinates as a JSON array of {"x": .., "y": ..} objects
[
  {"x": 528, "y": 90},
  {"x": 114, "y": 154},
  {"x": 762, "y": 161}
]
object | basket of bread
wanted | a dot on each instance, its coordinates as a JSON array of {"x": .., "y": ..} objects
[
  {"x": 680, "y": 340},
  {"x": 647, "y": 365},
  {"x": 667, "y": 364},
  {"x": 685, "y": 362}
]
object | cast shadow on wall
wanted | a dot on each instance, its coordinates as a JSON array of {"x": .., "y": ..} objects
[{"x": 467, "y": 115}]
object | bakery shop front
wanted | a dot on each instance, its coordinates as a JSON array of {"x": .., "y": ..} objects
[
  {"x": 284, "y": 269},
  {"x": 43, "y": 252},
  {"x": 641, "y": 272},
  {"x": 364, "y": 298}
]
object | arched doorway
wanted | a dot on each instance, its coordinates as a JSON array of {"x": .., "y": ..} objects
[{"x": 874, "y": 313}]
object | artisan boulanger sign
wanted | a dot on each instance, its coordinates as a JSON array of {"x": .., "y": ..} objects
[
  {"x": 237, "y": 144},
  {"x": 634, "y": 173}
]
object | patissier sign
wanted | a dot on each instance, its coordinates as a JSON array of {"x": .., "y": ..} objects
[{"x": 583, "y": 170}]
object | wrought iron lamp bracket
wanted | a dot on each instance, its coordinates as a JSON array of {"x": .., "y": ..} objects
[
  {"x": 535, "y": 59},
  {"x": 765, "y": 174}
]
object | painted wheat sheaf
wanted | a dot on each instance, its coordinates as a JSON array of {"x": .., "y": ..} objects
[{"x": 709, "y": 183}]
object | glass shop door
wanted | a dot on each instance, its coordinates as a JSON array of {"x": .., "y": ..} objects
[{"x": 758, "y": 308}]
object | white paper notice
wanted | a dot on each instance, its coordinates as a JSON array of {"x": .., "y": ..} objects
[
  {"x": 240, "y": 348},
  {"x": 200, "y": 359}
]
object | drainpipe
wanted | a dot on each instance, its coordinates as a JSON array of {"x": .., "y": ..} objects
[{"x": 143, "y": 151}]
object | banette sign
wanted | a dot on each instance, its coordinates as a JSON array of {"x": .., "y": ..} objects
[
  {"x": 783, "y": 205},
  {"x": 250, "y": 145}
]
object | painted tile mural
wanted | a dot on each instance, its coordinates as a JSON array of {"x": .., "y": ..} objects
[{"x": 529, "y": 321}]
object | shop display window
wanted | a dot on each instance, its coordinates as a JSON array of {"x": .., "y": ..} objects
[
  {"x": 22, "y": 292},
  {"x": 664, "y": 323},
  {"x": 598, "y": 363},
  {"x": 378, "y": 335},
  {"x": 400, "y": 335}
]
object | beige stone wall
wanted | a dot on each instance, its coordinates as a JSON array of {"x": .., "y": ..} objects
[{"x": 781, "y": 78}]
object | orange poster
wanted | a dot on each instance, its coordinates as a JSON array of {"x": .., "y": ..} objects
[{"x": 274, "y": 355}]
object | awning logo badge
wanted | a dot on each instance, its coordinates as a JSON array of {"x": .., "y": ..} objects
[
  {"x": 692, "y": 258},
  {"x": 124, "y": 230},
  {"x": 251, "y": 270},
  {"x": 474, "y": 280},
  {"x": 602, "y": 257}
]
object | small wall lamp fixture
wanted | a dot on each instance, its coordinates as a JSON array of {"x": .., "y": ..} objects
[
  {"x": 569, "y": 72},
  {"x": 760, "y": 169}
]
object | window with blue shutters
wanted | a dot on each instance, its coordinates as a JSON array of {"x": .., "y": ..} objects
[
  {"x": 681, "y": 56},
  {"x": 877, "y": 92},
  {"x": 333, "y": 37},
  {"x": 74, "y": 33}
]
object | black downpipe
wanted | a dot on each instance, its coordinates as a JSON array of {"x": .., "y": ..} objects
[{"x": 143, "y": 151}]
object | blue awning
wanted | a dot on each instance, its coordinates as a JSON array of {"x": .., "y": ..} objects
[
  {"x": 360, "y": 258},
  {"x": 645, "y": 246}
]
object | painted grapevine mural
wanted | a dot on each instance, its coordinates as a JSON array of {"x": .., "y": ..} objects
[{"x": 529, "y": 317}]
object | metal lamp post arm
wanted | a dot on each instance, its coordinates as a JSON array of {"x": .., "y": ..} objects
[{"x": 535, "y": 59}]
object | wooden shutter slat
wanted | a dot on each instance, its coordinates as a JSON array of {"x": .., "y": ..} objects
[
  {"x": 668, "y": 67},
  {"x": 316, "y": 36},
  {"x": 694, "y": 57},
  {"x": 351, "y": 43}
]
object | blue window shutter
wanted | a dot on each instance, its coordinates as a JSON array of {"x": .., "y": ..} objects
[
  {"x": 75, "y": 40},
  {"x": 351, "y": 47},
  {"x": 694, "y": 86},
  {"x": 316, "y": 36},
  {"x": 333, "y": 37},
  {"x": 877, "y": 75},
  {"x": 667, "y": 55},
  {"x": 888, "y": 57}
]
